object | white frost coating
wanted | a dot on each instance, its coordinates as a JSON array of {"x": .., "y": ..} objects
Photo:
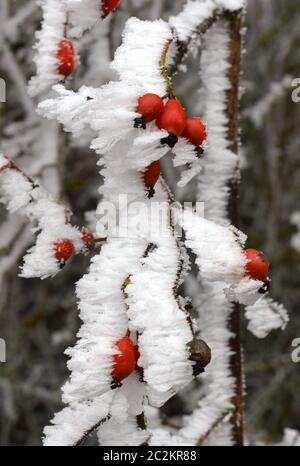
[
  {"x": 266, "y": 315},
  {"x": 97, "y": 109},
  {"x": 214, "y": 312},
  {"x": 231, "y": 5},
  {"x": 48, "y": 38},
  {"x": 164, "y": 438},
  {"x": 82, "y": 15},
  {"x": 49, "y": 218},
  {"x": 69, "y": 108},
  {"x": 185, "y": 155},
  {"x": 245, "y": 292},
  {"x": 103, "y": 312},
  {"x": 164, "y": 332},
  {"x": 214, "y": 309},
  {"x": 218, "y": 249},
  {"x": 125, "y": 433},
  {"x": 122, "y": 405},
  {"x": 219, "y": 164},
  {"x": 122, "y": 428},
  {"x": 193, "y": 14},
  {"x": 187, "y": 175},
  {"x": 163, "y": 327},
  {"x": 137, "y": 58},
  {"x": 110, "y": 110},
  {"x": 69, "y": 424},
  {"x": 291, "y": 438}
]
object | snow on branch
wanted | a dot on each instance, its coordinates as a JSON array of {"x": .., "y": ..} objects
[
  {"x": 69, "y": 425},
  {"x": 48, "y": 38},
  {"x": 130, "y": 61},
  {"x": 266, "y": 315},
  {"x": 82, "y": 15},
  {"x": 291, "y": 438},
  {"x": 51, "y": 220},
  {"x": 155, "y": 313},
  {"x": 214, "y": 307},
  {"x": 132, "y": 287},
  {"x": 56, "y": 57},
  {"x": 218, "y": 249},
  {"x": 192, "y": 16},
  {"x": 196, "y": 13},
  {"x": 220, "y": 164},
  {"x": 110, "y": 306}
]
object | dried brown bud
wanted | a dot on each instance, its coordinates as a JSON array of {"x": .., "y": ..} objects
[{"x": 200, "y": 354}]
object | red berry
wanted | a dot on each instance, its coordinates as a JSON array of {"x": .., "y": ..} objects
[
  {"x": 109, "y": 5},
  {"x": 125, "y": 361},
  {"x": 66, "y": 57},
  {"x": 172, "y": 118},
  {"x": 63, "y": 250},
  {"x": 151, "y": 174},
  {"x": 150, "y": 107},
  {"x": 87, "y": 238},
  {"x": 257, "y": 266},
  {"x": 194, "y": 131}
]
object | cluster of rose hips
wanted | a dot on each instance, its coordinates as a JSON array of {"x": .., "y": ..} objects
[
  {"x": 126, "y": 361},
  {"x": 64, "y": 248},
  {"x": 65, "y": 53},
  {"x": 171, "y": 117}
]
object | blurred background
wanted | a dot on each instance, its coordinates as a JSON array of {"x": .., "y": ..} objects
[{"x": 38, "y": 319}]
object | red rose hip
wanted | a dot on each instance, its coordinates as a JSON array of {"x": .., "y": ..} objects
[
  {"x": 172, "y": 118},
  {"x": 87, "y": 237},
  {"x": 125, "y": 360},
  {"x": 109, "y": 5},
  {"x": 66, "y": 57},
  {"x": 151, "y": 174},
  {"x": 150, "y": 107},
  {"x": 257, "y": 266},
  {"x": 194, "y": 131},
  {"x": 63, "y": 250}
]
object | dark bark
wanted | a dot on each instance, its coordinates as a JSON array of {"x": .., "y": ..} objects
[{"x": 235, "y": 24}]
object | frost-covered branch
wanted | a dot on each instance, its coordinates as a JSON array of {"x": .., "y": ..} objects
[
  {"x": 131, "y": 292},
  {"x": 51, "y": 220}
]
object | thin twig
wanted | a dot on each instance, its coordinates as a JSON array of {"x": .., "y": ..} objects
[
  {"x": 10, "y": 165},
  {"x": 183, "y": 47},
  {"x": 89, "y": 432},
  {"x": 216, "y": 424},
  {"x": 232, "y": 98}
]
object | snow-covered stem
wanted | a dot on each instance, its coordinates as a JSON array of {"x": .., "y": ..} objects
[
  {"x": 194, "y": 21},
  {"x": 19, "y": 193},
  {"x": 90, "y": 431},
  {"x": 220, "y": 97},
  {"x": 132, "y": 286},
  {"x": 214, "y": 426}
]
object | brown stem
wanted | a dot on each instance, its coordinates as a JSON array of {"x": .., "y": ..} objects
[
  {"x": 164, "y": 72},
  {"x": 91, "y": 431},
  {"x": 216, "y": 424},
  {"x": 183, "y": 47},
  {"x": 235, "y": 24}
]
